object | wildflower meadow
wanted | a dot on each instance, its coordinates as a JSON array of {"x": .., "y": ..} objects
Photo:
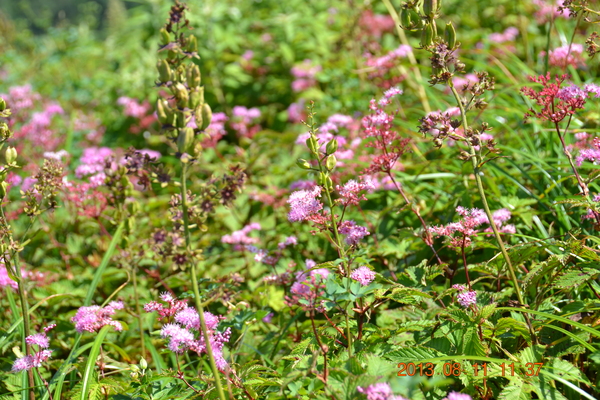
[{"x": 300, "y": 199}]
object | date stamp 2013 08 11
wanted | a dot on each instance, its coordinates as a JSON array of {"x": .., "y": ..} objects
[{"x": 479, "y": 369}]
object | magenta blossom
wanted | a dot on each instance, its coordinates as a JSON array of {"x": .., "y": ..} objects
[
  {"x": 304, "y": 204},
  {"x": 43, "y": 354},
  {"x": 379, "y": 391},
  {"x": 465, "y": 297},
  {"x": 354, "y": 233},
  {"x": 363, "y": 275},
  {"x": 93, "y": 318}
]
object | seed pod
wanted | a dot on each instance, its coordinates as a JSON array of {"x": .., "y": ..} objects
[
  {"x": 332, "y": 146},
  {"x": 2, "y": 104},
  {"x": 10, "y": 155},
  {"x": 427, "y": 36},
  {"x": 195, "y": 99},
  {"x": 193, "y": 76},
  {"x": 5, "y": 132},
  {"x": 206, "y": 113},
  {"x": 405, "y": 19},
  {"x": 331, "y": 162},
  {"x": 302, "y": 163},
  {"x": 312, "y": 144},
  {"x": 3, "y": 187},
  {"x": 165, "y": 37},
  {"x": 161, "y": 111},
  {"x": 192, "y": 44},
  {"x": 431, "y": 7},
  {"x": 185, "y": 140},
  {"x": 181, "y": 119},
  {"x": 182, "y": 96},
  {"x": 321, "y": 179},
  {"x": 143, "y": 363},
  {"x": 164, "y": 71},
  {"x": 450, "y": 35}
]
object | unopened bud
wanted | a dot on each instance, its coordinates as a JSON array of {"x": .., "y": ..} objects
[
  {"x": 450, "y": 35},
  {"x": 206, "y": 113},
  {"x": 2, "y": 104},
  {"x": 164, "y": 71},
  {"x": 321, "y": 179},
  {"x": 331, "y": 162},
  {"x": 143, "y": 363},
  {"x": 332, "y": 146},
  {"x": 161, "y": 111},
  {"x": 10, "y": 155},
  {"x": 193, "y": 76},
  {"x": 165, "y": 37},
  {"x": 185, "y": 141},
  {"x": 3, "y": 187},
  {"x": 181, "y": 118},
  {"x": 302, "y": 163},
  {"x": 5, "y": 132}
]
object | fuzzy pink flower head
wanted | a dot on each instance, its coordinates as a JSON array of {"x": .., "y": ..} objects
[
  {"x": 5, "y": 280},
  {"x": 354, "y": 233},
  {"x": 457, "y": 396},
  {"x": 39, "y": 339},
  {"x": 304, "y": 204},
  {"x": 509, "y": 35},
  {"x": 466, "y": 298},
  {"x": 92, "y": 318},
  {"x": 363, "y": 275},
  {"x": 241, "y": 236},
  {"x": 376, "y": 391},
  {"x": 350, "y": 193}
]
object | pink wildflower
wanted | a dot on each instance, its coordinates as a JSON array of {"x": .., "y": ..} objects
[
  {"x": 457, "y": 396},
  {"x": 363, "y": 275},
  {"x": 304, "y": 204},
  {"x": 93, "y": 318},
  {"x": 465, "y": 296},
  {"x": 354, "y": 233},
  {"x": 555, "y": 103}
]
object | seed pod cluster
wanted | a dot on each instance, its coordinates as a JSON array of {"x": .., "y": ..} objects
[{"x": 184, "y": 104}]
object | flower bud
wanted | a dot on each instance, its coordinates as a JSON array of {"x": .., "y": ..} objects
[
  {"x": 181, "y": 95},
  {"x": 2, "y": 104},
  {"x": 3, "y": 187},
  {"x": 164, "y": 71},
  {"x": 206, "y": 113},
  {"x": 143, "y": 363},
  {"x": 332, "y": 146},
  {"x": 312, "y": 144},
  {"x": 331, "y": 162},
  {"x": 181, "y": 119},
  {"x": 427, "y": 36},
  {"x": 192, "y": 44},
  {"x": 165, "y": 37},
  {"x": 185, "y": 140},
  {"x": 321, "y": 179},
  {"x": 302, "y": 163},
  {"x": 450, "y": 35},
  {"x": 10, "y": 155}
]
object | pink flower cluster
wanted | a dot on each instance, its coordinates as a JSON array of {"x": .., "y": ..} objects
[
  {"x": 305, "y": 75},
  {"x": 378, "y": 67},
  {"x": 509, "y": 35},
  {"x": 308, "y": 286},
  {"x": 244, "y": 121},
  {"x": 296, "y": 112},
  {"x": 92, "y": 162},
  {"x": 363, "y": 275},
  {"x": 35, "y": 361},
  {"x": 38, "y": 129},
  {"x": 240, "y": 238},
  {"x": 462, "y": 83},
  {"x": 304, "y": 204},
  {"x": 378, "y": 125},
  {"x": 93, "y": 318},
  {"x": 375, "y": 25},
  {"x": 548, "y": 10},
  {"x": 471, "y": 219},
  {"x": 590, "y": 154},
  {"x": 457, "y": 396},
  {"x": 215, "y": 130},
  {"x": 351, "y": 192},
  {"x": 185, "y": 333},
  {"x": 5, "y": 280},
  {"x": 142, "y": 111},
  {"x": 465, "y": 296},
  {"x": 20, "y": 98},
  {"x": 379, "y": 391},
  {"x": 354, "y": 233},
  {"x": 564, "y": 56}
]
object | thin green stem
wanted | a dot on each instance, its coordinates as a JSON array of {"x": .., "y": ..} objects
[
  {"x": 138, "y": 310},
  {"x": 192, "y": 265},
  {"x": 475, "y": 160}
]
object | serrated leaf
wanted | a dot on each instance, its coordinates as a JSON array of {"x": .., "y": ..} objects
[{"x": 575, "y": 277}]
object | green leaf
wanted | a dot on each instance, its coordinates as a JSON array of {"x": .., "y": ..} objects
[{"x": 88, "y": 378}]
